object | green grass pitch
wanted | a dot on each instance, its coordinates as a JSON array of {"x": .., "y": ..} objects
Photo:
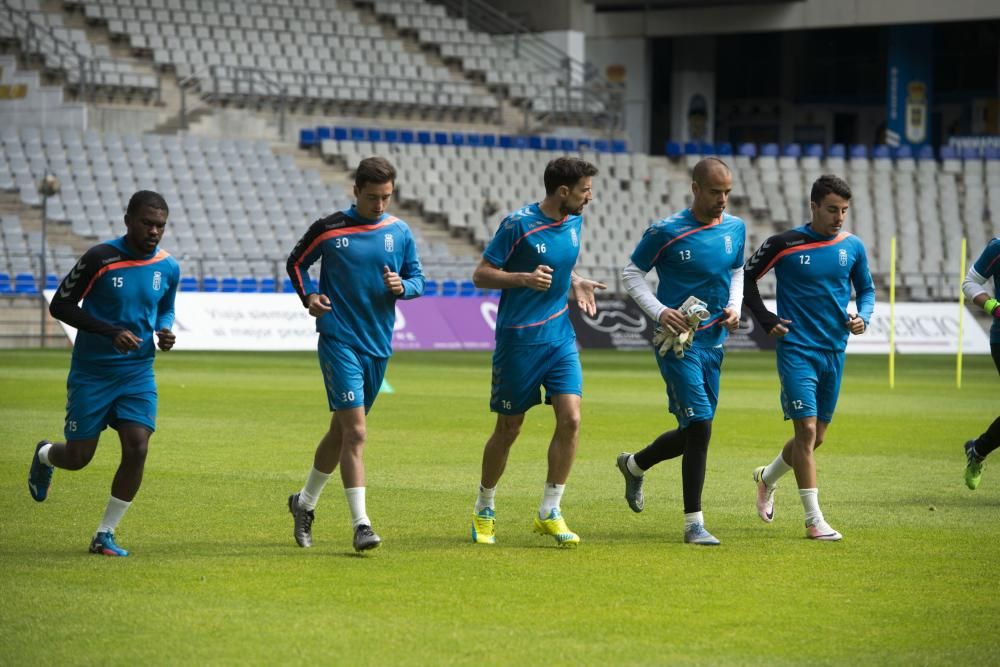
[{"x": 215, "y": 576}]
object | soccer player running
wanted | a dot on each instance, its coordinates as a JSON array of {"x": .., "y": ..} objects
[
  {"x": 986, "y": 267},
  {"x": 815, "y": 265},
  {"x": 697, "y": 252},
  {"x": 531, "y": 259},
  {"x": 368, "y": 261},
  {"x": 127, "y": 287}
]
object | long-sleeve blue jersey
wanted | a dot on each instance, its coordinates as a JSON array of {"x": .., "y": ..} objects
[
  {"x": 694, "y": 259},
  {"x": 524, "y": 240},
  {"x": 353, "y": 252},
  {"x": 815, "y": 274},
  {"x": 988, "y": 266},
  {"x": 120, "y": 291}
]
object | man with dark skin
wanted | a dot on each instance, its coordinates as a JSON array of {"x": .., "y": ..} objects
[{"x": 127, "y": 288}]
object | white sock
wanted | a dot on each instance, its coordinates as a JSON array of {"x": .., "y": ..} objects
[
  {"x": 775, "y": 470},
  {"x": 113, "y": 514},
  {"x": 43, "y": 454},
  {"x": 309, "y": 495},
  {"x": 810, "y": 502},
  {"x": 356, "y": 501},
  {"x": 485, "y": 498},
  {"x": 692, "y": 518},
  {"x": 550, "y": 499},
  {"x": 633, "y": 467}
]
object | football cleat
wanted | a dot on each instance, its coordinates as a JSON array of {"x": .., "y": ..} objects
[
  {"x": 303, "y": 522},
  {"x": 484, "y": 524},
  {"x": 365, "y": 538},
  {"x": 765, "y": 496},
  {"x": 104, "y": 544},
  {"x": 696, "y": 534},
  {"x": 39, "y": 475},
  {"x": 633, "y": 484},
  {"x": 973, "y": 466},
  {"x": 821, "y": 530},
  {"x": 556, "y": 526}
]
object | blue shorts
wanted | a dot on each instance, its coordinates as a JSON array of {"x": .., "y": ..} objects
[
  {"x": 520, "y": 371},
  {"x": 810, "y": 381},
  {"x": 352, "y": 379},
  {"x": 692, "y": 383},
  {"x": 95, "y": 401}
]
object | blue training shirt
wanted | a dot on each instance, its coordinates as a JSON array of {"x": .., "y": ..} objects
[
  {"x": 815, "y": 274},
  {"x": 120, "y": 290},
  {"x": 524, "y": 240},
  {"x": 353, "y": 251},
  {"x": 694, "y": 259},
  {"x": 988, "y": 266}
]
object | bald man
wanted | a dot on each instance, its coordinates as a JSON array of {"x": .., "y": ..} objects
[{"x": 697, "y": 252}]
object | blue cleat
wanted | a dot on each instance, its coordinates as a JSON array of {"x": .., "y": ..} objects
[
  {"x": 696, "y": 534},
  {"x": 104, "y": 544},
  {"x": 39, "y": 475}
]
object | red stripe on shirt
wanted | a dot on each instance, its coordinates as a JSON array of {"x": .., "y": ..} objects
[
  {"x": 541, "y": 322},
  {"x": 344, "y": 231},
  {"x": 678, "y": 238},
  {"x": 995, "y": 260},
  {"x": 808, "y": 246},
  {"x": 125, "y": 264},
  {"x": 523, "y": 236}
]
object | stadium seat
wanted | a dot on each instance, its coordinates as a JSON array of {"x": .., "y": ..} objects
[
  {"x": 489, "y": 140},
  {"x": 323, "y": 132},
  {"x": 5, "y": 285},
  {"x": 248, "y": 284},
  {"x": 903, "y": 152},
  {"x": 391, "y": 136},
  {"x": 406, "y": 137},
  {"x": 24, "y": 283},
  {"x": 837, "y": 150},
  {"x": 926, "y": 152},
  {"x": 971, "y": 153},
  {"x": 441, "y": 138},
  {"x": 474, "y": 139},
  {"x": 881, "y": 152},
  {"x": 723, "y": 148},
  {"x": 287, "y": 287},
  {"x": 373, "y": 134},
  {"x": 583, "y": 144},
  {"x": 457, "y": 139},
  {"x": 814, "y": 150},
  {"x": 340, "y": 133},
  {"x": 748, "y": 149},
  {"x": 267, "y": 285},
  {"x": 691, "y": 148},
  {"x": 307, "y": 138},
  {"x": 229, "y": 284},
  {"x": 423, "y": 138},
  {"x": 602, "y": 146},
  {"x": 535, "y": 142},
  {"x": 209, "y": 284},
  {"x": 467, "y": 288},
  {"x": 52, "y": 281},
  {"x": 357, "y": 134},
  {"x": 551, "y": 143},
  {"x": 506, "y": 141},
  {"x": 449, "y": 288},
  {"x": 770, "y": 150},
  {"x": 620, "y": 146},
  {"x": 859, "y": 151},
  {"x": 991, "y": 153},
  {"x": 567, "y": 145},
  {"x": 793, "y": 150},
  {"x": 430, "y": 287},
  {"x": 188, "y": 284}
]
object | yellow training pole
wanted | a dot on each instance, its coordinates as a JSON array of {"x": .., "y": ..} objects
[
  {"x": 961, "y": 320},
  {"x": 892, "y": 313}
]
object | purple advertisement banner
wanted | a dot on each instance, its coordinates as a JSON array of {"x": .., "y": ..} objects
[{"x": 445, "y": 323}]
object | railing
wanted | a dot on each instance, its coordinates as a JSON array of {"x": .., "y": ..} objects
[
  {"x": 86, "y": 73},
  {"x": 579, "y": 79}
]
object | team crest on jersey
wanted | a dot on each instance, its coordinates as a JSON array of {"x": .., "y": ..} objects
[
  {"x": 388, "y": 243},
  {"x": 729, "y": 244},
  {"x": 842, "y": 255},
  {"x": 574, "y": 238},
  {"x": 156, "y": 280}
]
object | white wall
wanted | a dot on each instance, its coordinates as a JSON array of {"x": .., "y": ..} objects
[{"x": 633, "y": 55}]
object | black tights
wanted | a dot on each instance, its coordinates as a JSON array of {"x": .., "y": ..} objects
[
  {"x": 990, "y": 440},
  {"x": 692, "y": 443}
]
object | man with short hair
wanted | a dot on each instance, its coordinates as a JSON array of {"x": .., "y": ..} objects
[
  {"x": 697, "y": 252},
  {"x": 127, "y": 287},
  {"x": 368, "y": 262},
  {"x": 986, "y": 267},
  {"x": 531, "y": 258},
  {"x": 815, "y": 265}
]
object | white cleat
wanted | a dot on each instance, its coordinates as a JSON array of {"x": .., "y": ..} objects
[
  {"x": 765, "y": 496},
  {"x": 821, "y": 530}
]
